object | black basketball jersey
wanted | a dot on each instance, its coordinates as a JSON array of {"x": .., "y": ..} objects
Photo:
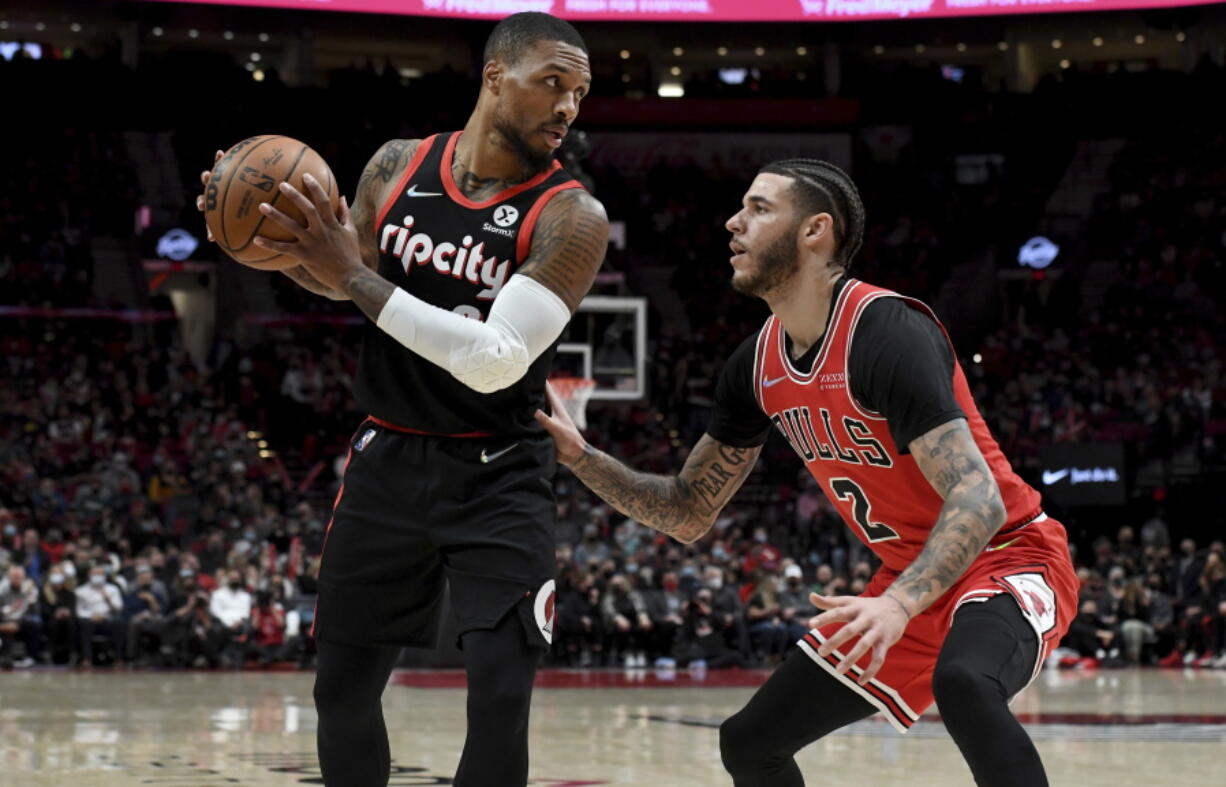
[{"x": 457, "y": 254}]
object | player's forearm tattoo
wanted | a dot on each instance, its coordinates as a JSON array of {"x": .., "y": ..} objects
[
  {"x": 369, "y": 291},
  {"x": 972, "y": 514},
  {"x": 312, "y": 284},
  {"x": 569, "y": 245},
  {"x": 683, "y": 506}
]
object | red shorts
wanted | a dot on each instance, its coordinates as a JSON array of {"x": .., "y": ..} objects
[{"x": 1033, "y": 566}]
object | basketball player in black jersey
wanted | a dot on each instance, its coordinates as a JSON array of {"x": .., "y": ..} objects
[{"x": 468, "y": 251}]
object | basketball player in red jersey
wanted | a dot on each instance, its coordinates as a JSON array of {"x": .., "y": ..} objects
[
  {"x": 976, "y": 584},
  {"x": 468, "y": 251}
]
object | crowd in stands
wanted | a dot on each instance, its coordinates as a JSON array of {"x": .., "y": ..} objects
[{"x": 156, "y": 511}]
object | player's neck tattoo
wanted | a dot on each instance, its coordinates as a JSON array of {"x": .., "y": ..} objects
[{"x": 476, "y": 187}]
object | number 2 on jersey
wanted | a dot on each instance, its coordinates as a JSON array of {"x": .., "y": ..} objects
[{"x": 861, "y": 510}]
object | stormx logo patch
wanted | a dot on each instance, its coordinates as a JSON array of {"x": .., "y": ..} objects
[
  {"x": 505, "y": 217},
  {"x": 364, "y": 440}
]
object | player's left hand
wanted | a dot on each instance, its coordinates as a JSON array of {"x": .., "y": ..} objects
[
  {"x": 878, "y": 621},
  {"x": 327, "y": 245}
]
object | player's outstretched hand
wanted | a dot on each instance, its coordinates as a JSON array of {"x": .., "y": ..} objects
[
  {"x": 879, "y": 622},
  {"x": 204, "y": 181},
  {"x": 562, "y": 429}
]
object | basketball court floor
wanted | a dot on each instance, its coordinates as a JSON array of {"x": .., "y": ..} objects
[{"x": 638, "y": 727}]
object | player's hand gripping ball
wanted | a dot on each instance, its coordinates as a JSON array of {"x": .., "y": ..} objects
[{"x": 248, "y": 175}]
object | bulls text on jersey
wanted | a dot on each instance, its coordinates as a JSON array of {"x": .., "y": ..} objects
[{"x": 796, "y": 424}]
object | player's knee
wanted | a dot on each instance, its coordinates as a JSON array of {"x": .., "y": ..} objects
[
  {"x": 501, "y": 700},
  {"x": 334, "y": 698},
  {"x": 737, "y": 745},
  {"x": 960, "y": 688}
]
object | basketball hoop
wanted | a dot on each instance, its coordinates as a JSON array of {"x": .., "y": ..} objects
[{"x": 574, "y": 393}]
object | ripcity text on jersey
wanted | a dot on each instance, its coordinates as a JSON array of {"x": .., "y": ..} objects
[
  {"x": 879, "y": 491},
  {"x": 456, "y": 254}
]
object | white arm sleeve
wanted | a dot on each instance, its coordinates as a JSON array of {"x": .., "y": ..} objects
[{"x": 526, "y": 318}]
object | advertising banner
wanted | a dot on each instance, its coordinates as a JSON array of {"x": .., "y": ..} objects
[{"x": 715, "y": 10}]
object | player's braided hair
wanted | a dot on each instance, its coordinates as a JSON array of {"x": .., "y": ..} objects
[
  {"x": 821, "y": 187},
  {"x": 516, "y": 34}
]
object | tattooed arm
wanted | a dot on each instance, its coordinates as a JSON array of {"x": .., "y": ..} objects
[
  {"x": 973, "y": 512},
  {"x": 684, "y": 506},
  {"x": 568, "y": 245},
  {"x": 378, "y": 177}
]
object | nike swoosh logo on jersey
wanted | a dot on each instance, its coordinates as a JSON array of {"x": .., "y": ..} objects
[
  {"x": 1001, "y": 546},
  {"x": 487, "y": 457},
  {"x": 769, "y": 383},
  {"x": 413, "y": 192}
]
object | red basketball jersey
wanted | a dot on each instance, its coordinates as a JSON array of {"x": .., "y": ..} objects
[{"x": 879, "y": 491}]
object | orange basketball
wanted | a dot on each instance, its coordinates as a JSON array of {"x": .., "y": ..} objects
[{"x": 251, "y": 173}]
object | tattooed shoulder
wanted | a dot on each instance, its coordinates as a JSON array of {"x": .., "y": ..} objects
[
  {"x": 568, "y": 245},
  {"x": 384, "y": 168}
]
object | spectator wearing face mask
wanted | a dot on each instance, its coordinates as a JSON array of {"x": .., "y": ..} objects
[
  {"x": 231, "y": 604},
  {"x": 19, "y": 618},
  {"x": 794, "y": 599},
  {"x": 728, "y": 609},
  {"x": 626, "y": 621},
  {"x": 58, "y": 602},
  {"x": 267, "y": 641},
  {"x": 143, "y": 607},
  {"x": 99, "y": 612}
]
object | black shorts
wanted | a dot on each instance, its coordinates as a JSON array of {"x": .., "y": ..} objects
[{"x": 415, "y": 511}]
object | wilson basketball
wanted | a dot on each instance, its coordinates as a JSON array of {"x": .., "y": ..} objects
[{"x": 250, "y": 173}]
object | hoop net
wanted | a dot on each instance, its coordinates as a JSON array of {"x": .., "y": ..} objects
[{"x": 574, "y": 393}]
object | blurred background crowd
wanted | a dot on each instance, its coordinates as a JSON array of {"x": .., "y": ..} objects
[{"x": 163, "y": 501}]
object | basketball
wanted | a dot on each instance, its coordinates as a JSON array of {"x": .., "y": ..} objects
[{"x": 250, "y": 173}]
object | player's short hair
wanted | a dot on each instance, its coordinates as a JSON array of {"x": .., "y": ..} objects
[
  {"x": 821, "y": 187},
  {"x": 515, "y": 35}
]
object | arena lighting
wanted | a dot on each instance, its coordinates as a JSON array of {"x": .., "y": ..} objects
[
  {"x": 802, "y": 51},
  {"x": 920, "y": 49},
  {"x": 961, "y": 47},
  {"x": 263, "y": 38},
  {"x": 157, "y": 32},
  {"x": 1056, "y": 43},
  {"x": 675, "y": 71},
  {"x": 193, "y": 33},
  {"x": 670, "y": 90},
  {"x": 723, "y": 50},
  {"x": 75, "y": 27},
  {"x": 977, "y": 358},
  {"x": 759, "y": 51},
  {"x": 251, "y": 66},
  {"x": 255, "y": 57},
  {"x": 1181, "y": 36},
  {"x": 678, "y": 51},
  {"x": 879, "y": 49},
  {"x": 4, "y": 24},
  {"x": 1065, "y": 63},
  {"x": 624, "y": 54},
  {"x": 1098, "y": 41},
  {"x": 228, "y": 35},
  {"x": 40, "y": 26},
  {"x": 1140, "y": 39},
  {"x": 1003, "y": 46},
  {"x": 1038, "y": 252},
  {"x": 258, "y": 75},
  {"x": 733, "y": 76},
  {"x": 625, "y": 77}
]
